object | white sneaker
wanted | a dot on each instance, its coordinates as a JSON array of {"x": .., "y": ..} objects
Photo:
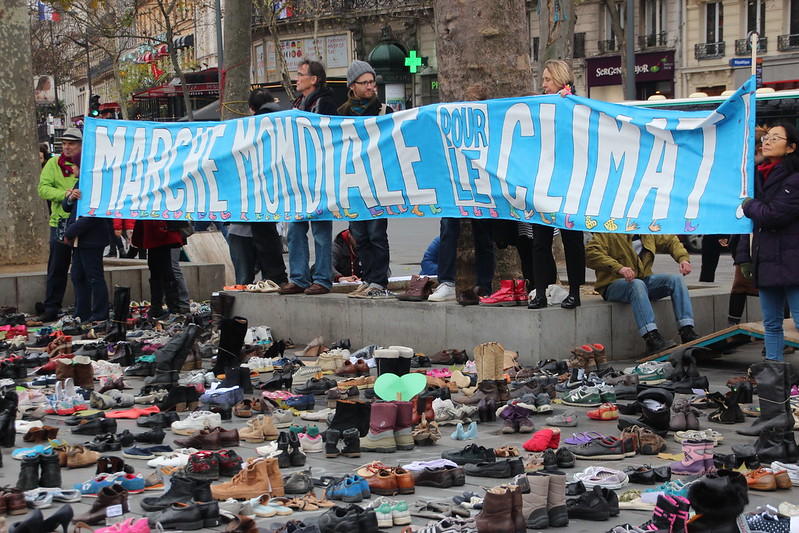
[
  {"x": 282, "y": 418},
  {"x": 319, "y": 416},
  {"x": 22, "y": 426},
  {"x": 793, "y": 471},
  {"x": 267, "y": 450},
  {"x": 176, "y": 459},
  {"x": 443, "y": 293},
  {"x": 196, "y": 421},
  {"x": 311, "y": 444},
  {"x": 260, "y": 364}
]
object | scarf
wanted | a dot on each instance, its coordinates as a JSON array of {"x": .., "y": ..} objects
[
  {"x": 66, "y": 169},
  {"x": 359, "y": 106},
  {"x": 766, "y": 168}
]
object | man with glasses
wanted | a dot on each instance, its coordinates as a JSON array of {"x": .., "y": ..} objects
[
  {"x": 371, "y": 236},
  {"x": 315, "y": 97}
]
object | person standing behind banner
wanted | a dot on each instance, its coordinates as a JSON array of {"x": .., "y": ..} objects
[
  {"x": 156, "y": 237},
  {"x": 772, "y": 260},
  {"x": 371, "y": 236},
  {"x": 264, "y": 236},
  {"x": 558, "y": 78},
  {"x": 58, "y": 178},
  {"x": 315, "y": 97}
]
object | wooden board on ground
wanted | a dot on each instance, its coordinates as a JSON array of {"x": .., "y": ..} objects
[
  {"x": 750, "y": 329},
  {"x": 211, "y": 247}
]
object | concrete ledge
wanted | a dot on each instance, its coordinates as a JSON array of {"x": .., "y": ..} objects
[
  {"x": 24, "y": 289},
  {"x": 429, "y": 327}
]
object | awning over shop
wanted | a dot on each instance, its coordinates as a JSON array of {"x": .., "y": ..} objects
[
  {"x": 162, "y": 50},
  {"x": 165, "y": 91},
  {"x": 184, "y": 41},
  {"x": 146, "y": 58}
]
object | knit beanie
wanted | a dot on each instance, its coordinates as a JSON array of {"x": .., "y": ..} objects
[{"x": 357, "y": 69}]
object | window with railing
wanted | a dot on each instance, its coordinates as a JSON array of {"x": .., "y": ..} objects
[
  {"x": 653, "y": 18},
  {"x": 652, "y": 40},
  {"x": 756, "y": 16},
  {"x": 714, "y": 22},
  {"x": 788, "y": 42},
  {"x": 743, "y": 47},
  {"x": 608, "y": 45},
  {"x": 709, "y": 50}
]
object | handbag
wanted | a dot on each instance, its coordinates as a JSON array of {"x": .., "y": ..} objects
[{"x": 185, "y": 228}]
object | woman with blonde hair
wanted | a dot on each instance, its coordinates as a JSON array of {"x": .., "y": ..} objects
[{"x": 557, "y": 78}]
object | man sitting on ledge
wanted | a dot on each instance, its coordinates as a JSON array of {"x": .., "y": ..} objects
[{"x": 623, "y": 265}]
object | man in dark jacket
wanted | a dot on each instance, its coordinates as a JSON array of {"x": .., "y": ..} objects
[
  {"x": 264, "y": 236},
  {"x": 315, "y": 97},
  {"x": 371, "y": 236}
]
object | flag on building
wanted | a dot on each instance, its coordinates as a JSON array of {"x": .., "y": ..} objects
[{"x": 47, "y": 12}]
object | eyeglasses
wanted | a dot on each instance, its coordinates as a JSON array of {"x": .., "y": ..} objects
[
  {"x": 365, "y": 83},
  {"x": 772, "y": 138}
]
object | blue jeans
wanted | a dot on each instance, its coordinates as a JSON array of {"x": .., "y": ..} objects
[
  {"x": 450, "y": 229},
  {"x": 242, "y": 255},
  {"x": 300, "y": 255},
  {"x": 772, "y": 303},
  {"x": 91, "y": 292},
  {"x": 639, "y": 292},
  {"x": 371, "y": 239}
]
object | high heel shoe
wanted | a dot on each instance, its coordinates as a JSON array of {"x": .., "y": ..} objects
[
  {"x": 62, "y": 518},
  {"x": 314, "y": 348},
  {"x": 276, "y": 349},
  {"x": 32, "y": 524}
]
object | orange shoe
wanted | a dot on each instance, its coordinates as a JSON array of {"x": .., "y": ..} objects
[
  {"x": 606, "y": 411},
  {"x": 761, "y": 479}
]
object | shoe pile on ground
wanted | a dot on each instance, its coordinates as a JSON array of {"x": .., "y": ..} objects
[{"x": 191, "y": 422}]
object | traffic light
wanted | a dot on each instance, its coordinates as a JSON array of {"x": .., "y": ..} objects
[{"x": 94, "y": 105}]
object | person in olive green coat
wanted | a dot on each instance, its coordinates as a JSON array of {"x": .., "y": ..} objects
[{"x": 623, "y": 265}]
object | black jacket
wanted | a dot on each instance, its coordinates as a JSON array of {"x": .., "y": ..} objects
[
  {"x": 91, "y": 232},
  {"x": 269, "y": 107},
  {"x": 321, "y": 101}
]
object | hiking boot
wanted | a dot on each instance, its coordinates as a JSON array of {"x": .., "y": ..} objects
[
  {"x": 655, "y": 342},
  {"x": 251, "y": 481},
  {"x": 687, "y": 334},
  {"x": 332, "y": 436},
  {"x": 352, "y": 443}
]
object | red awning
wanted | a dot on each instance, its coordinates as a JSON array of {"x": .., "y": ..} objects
[
  {"x": 165, "y": 91},
  {"x": 146, "y": 58},
  {"x": 162, "y": 51}
]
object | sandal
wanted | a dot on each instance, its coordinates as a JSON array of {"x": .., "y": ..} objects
[
  {"x": 301, "y": 504},
  {"x": 370, "y": 469},
  {"x": 533, "y": 463},
  {"x": 507, "y": 451},
  {"x": 267, "y": 285},
  {"x": 313, "y": 499}
]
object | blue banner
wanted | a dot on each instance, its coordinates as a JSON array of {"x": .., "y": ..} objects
[{"x": 570, "y": 162}]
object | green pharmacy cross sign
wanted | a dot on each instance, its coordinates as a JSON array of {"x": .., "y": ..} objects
[{"x": 413, "y": 62}]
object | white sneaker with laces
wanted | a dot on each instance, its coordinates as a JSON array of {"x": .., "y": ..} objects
[
  {"x": 196, "y": 421},
  {"x": 443, "y": 293},
  {"x": 175, "y": 459}
]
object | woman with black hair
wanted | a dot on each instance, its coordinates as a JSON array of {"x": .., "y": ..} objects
[{"x": 774, "y": 253}]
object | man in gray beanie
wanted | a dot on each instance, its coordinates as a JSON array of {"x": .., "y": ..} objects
[{"x": 371, "y": 236}]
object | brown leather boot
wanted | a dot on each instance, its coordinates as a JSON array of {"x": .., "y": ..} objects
[
  {"x": 260, "y": 476},
  {"x": 64, "y": 369},
  {"x": 497, "y": 513},
  {"x": 108, "y": 496},
  {"x": 516, "y": 512}
]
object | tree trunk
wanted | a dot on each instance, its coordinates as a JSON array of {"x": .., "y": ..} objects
[
  {"x": 483, "y": 52},
  {"x": 556, "y": 20},
  {"x": 22, "y": 213},
  {"x": 238, "y": 21}
]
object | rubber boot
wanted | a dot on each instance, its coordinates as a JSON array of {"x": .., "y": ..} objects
[
  {"x": 231, "y": 339},
  {"x": 535, "y": 502},
  {"x": 380, "y": 437},
  {"x": 352, "y": 443},
  {"x": 170, "y": 358},
  {"x": 772, "y": 378},
  {"x": 693, "y": 462},
  {"x": 8, "y": 415},
  {"x": 556, "y": 501},
  {"x": 51, "y": 470},
  {"x": 116, "y": 332},
  {"x": 403, "y": 428}
]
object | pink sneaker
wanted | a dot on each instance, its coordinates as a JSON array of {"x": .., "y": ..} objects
[
  {"x": 129, "y": 525},
  {"x": 794, "y": 391},
  {"x": 439, "y": 373}
]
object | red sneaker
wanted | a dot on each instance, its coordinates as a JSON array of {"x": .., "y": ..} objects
[{"x": 606, "y": 411}]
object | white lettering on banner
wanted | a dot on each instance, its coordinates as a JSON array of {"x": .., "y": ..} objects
[
  {"x": 107, "y": 155},
  {"x": 131, "y": 186},
  {"x": 708, "y": 126},
  {"x": 580, "y": 141},
  {"x": 313, "y": 182},
  {"x": 518, "y": 114},
  {"x": 464, "y": 130},
  {"x": 246, "y": 151},
  {"x": 156, "y": 174},
  {"x": 330, "y": 163},
  {"x": 352, "y": 171},
  {"x": 385, "y": 195},
  {"x": 618, "y": 151},
  {"x": 407, "y": 157},
  {"x": 286, "y": 164},
  {"x": 542, "y": 201},
  {"x": 178, "y": 199},
  {"x": 659, "y": 173}
]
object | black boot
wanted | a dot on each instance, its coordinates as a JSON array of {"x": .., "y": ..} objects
[
  {"x": 245, "y": 381},
  {"x": 51, "y": 470},
  {"x": 284, "y": 457},
  {"x": 231, "y": 339},
  {"x": 719, "y": 499},
  {"x": 352, "y": 443},
  {"x": 121, "y": 312},
  {"x": 221, "y": 307},
  {"x": 332, "y": 436},
  {"x": 655, "y": 420},
  {"x": 769, "y": 446},
  {"x": 346, "y": 416},
  {"x": 728, "y": 409},
  {"x": 174, "y": 400},
  {"x": 181, "y": 491},
  {"x": 296, "y": 456},
  {"x": 772, "y": 378},
  {"x": 29, "y": 473},
  {"x": 170, "y": 358},
  {"x": 8, "y": 414},
  {"x": 655, "y": 342},
  {"x": 156, "y": 310},
  {"x": 172, "y": 296}
]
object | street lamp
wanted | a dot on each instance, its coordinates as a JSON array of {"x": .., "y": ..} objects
[{"x": 85, "y": 45}]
